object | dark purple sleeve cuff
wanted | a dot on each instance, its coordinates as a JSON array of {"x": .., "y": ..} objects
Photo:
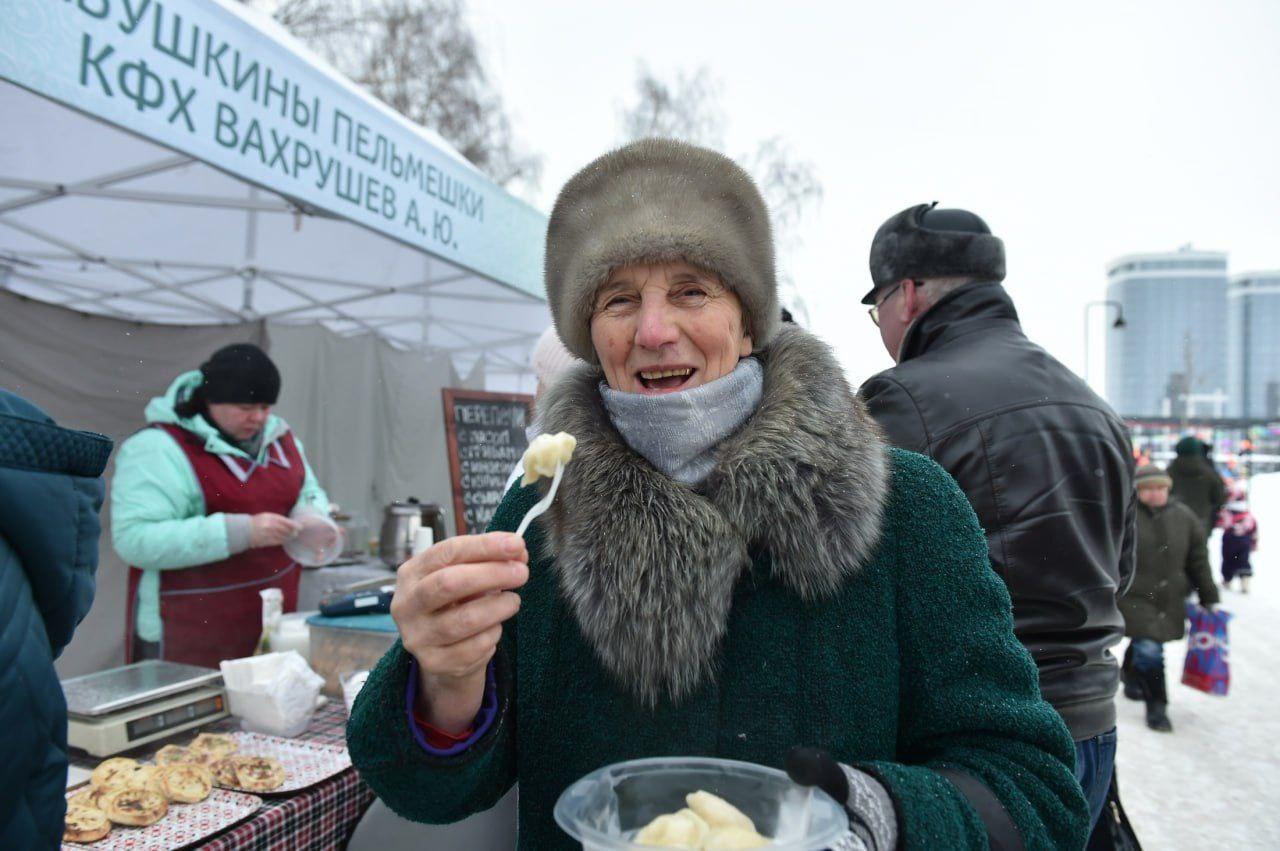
[{"x": 484, "y": 718}]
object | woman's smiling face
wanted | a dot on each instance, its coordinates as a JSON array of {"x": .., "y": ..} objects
[{"x": 665, "y": 327}]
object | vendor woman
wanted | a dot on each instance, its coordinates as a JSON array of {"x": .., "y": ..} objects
[
  {"x": 200, "y": 507},
  {"x": 736, "y": 565}
]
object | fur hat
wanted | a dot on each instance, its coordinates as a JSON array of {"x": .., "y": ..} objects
[
  {"x": 550, "y": 357},
  {"x": 1151, "y": 476},
  {"x": 654, "y": 201},
  {"x": 924, "y": 242}
]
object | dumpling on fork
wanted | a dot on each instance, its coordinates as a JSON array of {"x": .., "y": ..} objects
[{"x": 542, "y": 456}]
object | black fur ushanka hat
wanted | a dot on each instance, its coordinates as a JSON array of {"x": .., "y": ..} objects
[{"x": 923, "y": 242}]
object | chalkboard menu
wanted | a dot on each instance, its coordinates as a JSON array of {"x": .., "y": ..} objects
[{"x": 486, "y": 433}]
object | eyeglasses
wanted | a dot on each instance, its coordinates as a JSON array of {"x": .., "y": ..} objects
[{"x": 874, "y": 310}]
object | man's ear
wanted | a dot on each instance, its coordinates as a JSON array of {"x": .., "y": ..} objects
[{"x": 911, "y": 302}]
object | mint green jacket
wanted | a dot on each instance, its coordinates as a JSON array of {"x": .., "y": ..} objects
[{"x": 158, "y": 519}]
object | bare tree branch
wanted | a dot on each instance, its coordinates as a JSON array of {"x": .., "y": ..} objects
[
  {"x": 790, "y": 186},
  {"x": 689, "y": 109},
  {"x": 421, "y": 59}
]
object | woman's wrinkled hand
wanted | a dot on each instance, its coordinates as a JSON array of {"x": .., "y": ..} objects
[
  {"x": 450, "y": 603},
  {"x": 271, "y": 530}
]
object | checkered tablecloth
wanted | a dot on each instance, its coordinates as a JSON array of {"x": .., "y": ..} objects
[{"x": 319, "y": 817}]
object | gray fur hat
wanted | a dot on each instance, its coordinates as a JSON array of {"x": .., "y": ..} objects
[
  {"x": 924, "y": 242},
  {"x": 654, "y": 201}
]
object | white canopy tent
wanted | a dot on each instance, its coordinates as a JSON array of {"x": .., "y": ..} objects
[
  {"x": 187, "y": 166},
  {"x": 109, "y": 207}
]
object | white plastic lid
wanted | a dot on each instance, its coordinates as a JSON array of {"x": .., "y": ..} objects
[{"x": 318, "y": 542}]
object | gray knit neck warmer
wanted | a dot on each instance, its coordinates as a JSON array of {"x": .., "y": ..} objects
[{"x": 678, "y": 432}]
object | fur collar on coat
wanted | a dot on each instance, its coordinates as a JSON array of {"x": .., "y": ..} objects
[{"x": 648, "y": 565}]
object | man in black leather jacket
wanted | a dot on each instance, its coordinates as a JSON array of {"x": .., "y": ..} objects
[{"x": 1045, "y": 462}]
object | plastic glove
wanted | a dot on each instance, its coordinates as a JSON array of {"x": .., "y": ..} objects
[{"x": 871, "y": 817}]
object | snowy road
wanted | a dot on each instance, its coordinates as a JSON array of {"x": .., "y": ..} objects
[{"x": 1215, "y": 782}]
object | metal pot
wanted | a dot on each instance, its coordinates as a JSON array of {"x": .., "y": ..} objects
[
  {"x": 355, "y": 533},
  {"x": 400, "y": 524}
]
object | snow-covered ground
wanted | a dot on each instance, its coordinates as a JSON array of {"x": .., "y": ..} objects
[{"x": 1215, "y": 781}]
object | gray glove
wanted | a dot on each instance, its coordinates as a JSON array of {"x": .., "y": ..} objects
[{"x": 872, "y": 820}]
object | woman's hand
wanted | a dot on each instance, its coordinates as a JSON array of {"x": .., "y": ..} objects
[
  {"x": 873, "y": 822},
  {"x": 450, "y": 603},
  {"x": 270, "y": 530}
]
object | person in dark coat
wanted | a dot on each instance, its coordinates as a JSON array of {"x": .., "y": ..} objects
[
  {"x": 1172, "y": 559},
  {"x": 1196, "y": 484},
  {"x": 1046, "y": 464},
  {"x": 50, "y": 493}
]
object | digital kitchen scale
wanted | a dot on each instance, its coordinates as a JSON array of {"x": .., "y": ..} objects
[{"x": 114, "y": 711}]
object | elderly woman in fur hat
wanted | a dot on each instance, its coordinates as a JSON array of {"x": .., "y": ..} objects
[{"x": 735, "y": 565}]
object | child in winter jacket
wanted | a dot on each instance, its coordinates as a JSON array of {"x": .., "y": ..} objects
[{"x": 1239, "y": 539}]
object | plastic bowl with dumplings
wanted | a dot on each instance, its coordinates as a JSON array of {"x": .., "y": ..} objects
[{"x": 605, "y": 809}]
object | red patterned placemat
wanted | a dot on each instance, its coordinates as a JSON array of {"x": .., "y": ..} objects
[
  {"x": 184, "y": 824},
  {"x": 305, "y": 762}
]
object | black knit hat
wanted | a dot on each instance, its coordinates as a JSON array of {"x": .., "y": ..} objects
[
  {"x": 240, "y": 374},
  {"x": 924, "y": 242},
  {"x": 1192, "y": 446}
]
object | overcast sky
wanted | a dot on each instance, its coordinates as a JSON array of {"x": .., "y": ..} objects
[{"x": 1080, "y": 132}]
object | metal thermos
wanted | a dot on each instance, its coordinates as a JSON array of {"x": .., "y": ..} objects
[{"x": 400, "y": 524}]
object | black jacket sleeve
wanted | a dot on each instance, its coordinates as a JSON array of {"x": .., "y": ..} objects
[
  {"x": 1129, "y": 544},
  {"x": 1217, "y": 492},
  {"x": 893, "y": 408}
]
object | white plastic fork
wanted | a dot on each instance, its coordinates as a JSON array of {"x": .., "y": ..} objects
[{"x": 544, "y": 503}]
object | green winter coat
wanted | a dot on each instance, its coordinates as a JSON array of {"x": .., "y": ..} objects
[
  {"x": 158, "y": 519},
  {"x": 894, "y": 650},
  {"x": 1172, "y": 559}
]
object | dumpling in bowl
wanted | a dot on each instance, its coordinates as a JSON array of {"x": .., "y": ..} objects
[
  {"x": 683, "y": 829},
  {"x": 709, "y": 823},
  {"x": 717, "y": 812},
  {"x": 730, "y": 838}
]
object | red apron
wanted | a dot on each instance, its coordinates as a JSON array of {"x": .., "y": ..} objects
[{"x": 213, "y": 611}]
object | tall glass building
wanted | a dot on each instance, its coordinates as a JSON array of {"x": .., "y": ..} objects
[
  {"x": 1253, "y": 341},
  {"x": 1170, "y": 358}
]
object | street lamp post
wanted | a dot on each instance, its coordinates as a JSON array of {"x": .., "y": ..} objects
[{"x": 1119, "y": 323}]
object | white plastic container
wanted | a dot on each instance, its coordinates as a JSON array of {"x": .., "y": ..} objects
[
  {"x": 351, "y": 685},
  {"x": 274, "y": 693},
  {"x": 605, "y": 809},
  {"x": 292, "y": 633},
  {"x": 319, "y": 540}
]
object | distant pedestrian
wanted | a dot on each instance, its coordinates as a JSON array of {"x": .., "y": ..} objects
[
  {"x": 1239, "y": 541},
  {"x": 1172, "y": 559},
  {"x": 1196, "y": 484}
]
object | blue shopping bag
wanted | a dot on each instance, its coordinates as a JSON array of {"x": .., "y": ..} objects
[{"x": 1207, "y": 667}]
